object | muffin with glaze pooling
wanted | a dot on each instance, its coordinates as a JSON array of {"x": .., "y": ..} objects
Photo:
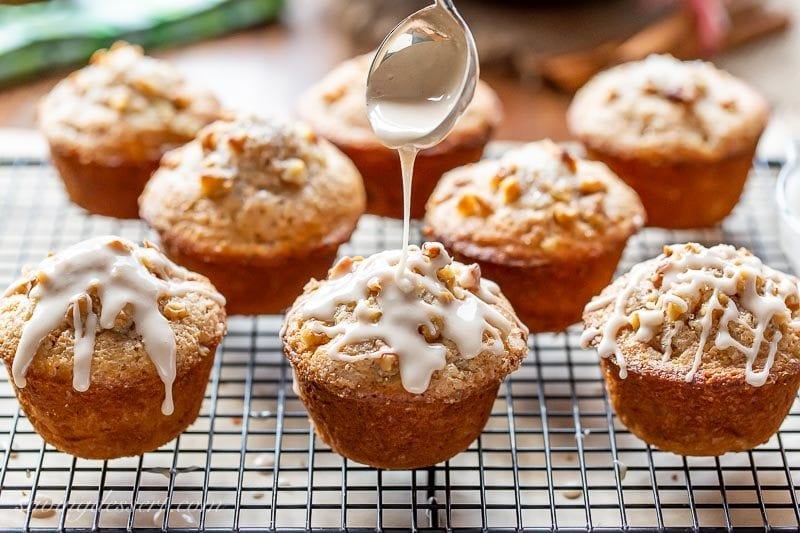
[
  {"x": 548, "y": 227},
  {"x": 258, "y": 205},
  {"x": 109, "y": 124},
  {"x": 401, "y": 370},
  {"x": 336, "y": 109},
  {"x": 109, "y": 347},
  {"x": 700, "y": 348},
  {"x": 683, "y": 134}
]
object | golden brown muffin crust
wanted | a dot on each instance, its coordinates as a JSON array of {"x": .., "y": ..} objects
[
  {"x": 124, "y": 106},
  {"x": 667, "y": 109},
  {"x": 680, "y": 333},
  {"x": 336, "y": 108},
  {"x": 254, "y": 189},
  {"x": 536, "y": 203}
]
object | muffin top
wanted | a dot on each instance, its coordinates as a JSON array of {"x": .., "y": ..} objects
[
  {"x": 336, "y": 108},
  {"x": 436, "y": 329},
  {"x": 535, "y": 204},
  {"x": 254, "y": 188},
  {"x": 125, "y": 106},
  {"x": 108, "y": 312},
  {"x": 699, "y": 314},
  {"x": 669, "y": 109}
]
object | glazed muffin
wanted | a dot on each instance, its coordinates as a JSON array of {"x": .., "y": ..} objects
[
  {"x": 700, "y": 348},
  {"x": 109, "y": 347},
  {"x": 682, "y": 134},
  {"x": 109, "y": 123},
  {"x": 336, "y": 109},
  {"x": 258, "y": 205},
  {"x": 548, "y": 227},
  {"x": 401, "y": 370}
]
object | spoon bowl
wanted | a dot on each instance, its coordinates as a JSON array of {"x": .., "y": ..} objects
[{"x": 422, "y": 78}]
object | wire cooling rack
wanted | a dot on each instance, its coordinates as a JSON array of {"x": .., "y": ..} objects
[{"x": 553, "y": 455}]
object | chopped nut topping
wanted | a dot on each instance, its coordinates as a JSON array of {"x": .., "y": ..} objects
[
  {"x": 564, "y": 215},
  {"x": 312, "y": 338},
  {"x": 175, "y": 310},
  {"x": 634, "y": 320},
  {"x": 374, "y": 285},
  {"x": 591, "y": 186},
  {"x": 510, "y": 190},
  {"x": 674, "y": 311},
  {"x": 236, "y": 142},
  {"x": 215, "y": 185},
  {"x": 569, "y": 161},
  {"x": 470, "y": 277},
  {"x": 341, "y": 267},
  {"x": 431, "y": 250},
  {"x": 387, "y": 362},
  {"x": 118, "y": 246},
  {"x": 294, "y": 172},
  {"x": 474, "y": 205},
  {"x": 335, "y": 94},
  {"x": 208, "y": 140}
]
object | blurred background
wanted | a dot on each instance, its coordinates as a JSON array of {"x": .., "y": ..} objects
[{"x": 258, "y": 55}]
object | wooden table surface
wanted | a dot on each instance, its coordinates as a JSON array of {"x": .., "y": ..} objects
[{"x": 264, "y": 69}]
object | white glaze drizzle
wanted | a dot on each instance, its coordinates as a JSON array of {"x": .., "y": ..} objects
[
  {"x": 687, "y": 273},
  {"x": 114, "y": 269},
  {"x": 467, "y": 317}
]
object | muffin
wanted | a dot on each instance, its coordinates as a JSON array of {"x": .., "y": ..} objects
[
  {"x": 109, "y": 347},
  {"x": 336, "y": 109},
  {"x": 682, "y": 134},
  {"x": 548, "y": 227},
  {"x": 400, "y": 370},
  {"x": 258, "y": 205},
  {"x": 109, "y": 123},
  {"x": 699, "y": 348}
]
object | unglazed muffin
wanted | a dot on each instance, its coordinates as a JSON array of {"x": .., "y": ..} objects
[
  {"x": 683, "y": 134},
  {"x": 336, "y": 109},
  {"x": 548, "y": 227},
  {"x": 258, "y": 205},
  {"x": 109, "y": 347},
  {"x": 700, "y": 348},
  {"x": 400, "y": 370},
  {"x": 109, "y": 123}
]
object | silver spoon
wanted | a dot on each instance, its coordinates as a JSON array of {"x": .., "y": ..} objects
[{"x": 422, "y": 77}]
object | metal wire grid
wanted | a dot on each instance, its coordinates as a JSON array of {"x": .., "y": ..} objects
[{"x": 553, "y": 455}]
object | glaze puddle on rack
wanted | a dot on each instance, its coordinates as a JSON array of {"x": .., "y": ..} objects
[{"x": 552, "y": 456}]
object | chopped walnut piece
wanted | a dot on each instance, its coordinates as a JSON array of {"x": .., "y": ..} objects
[
  {"x": 294, "y": 172},
  {"x": 674, "y": 311},
  {"x": 208, "y": 140},
  {"x": 510, "y": 189},
  {"x": 119, "y": 246},
  {"x": 119, "y": 101},
  {"x": 175, "y": 310},
  {"x": 146, "y": 87},
  {"x": 374, "y": 285},
  {"x": 215, "y": 185},
  {"x": 237, "y": 141},
  {"x": 312, "y": 338},
  {"x": 591, "y": 186},
  {"x": 470, "y": 277},
  {"x": 446, "y": 297},
  {"x": 341, "y": 267},
  {"x": 431, "y": 250},
  {"x": 446, "y": 276},
  {"x": 473, "y": 205},
  {"x": 387, "y": 362},
  {"x": 564, "y": 216},
  {"x": 335, "y": 94},
  {"x": 569, "y": 161},
  {"x": 41, "y": 277}
]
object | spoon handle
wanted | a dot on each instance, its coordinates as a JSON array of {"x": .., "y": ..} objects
[{"x": 447, "y": 4}]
